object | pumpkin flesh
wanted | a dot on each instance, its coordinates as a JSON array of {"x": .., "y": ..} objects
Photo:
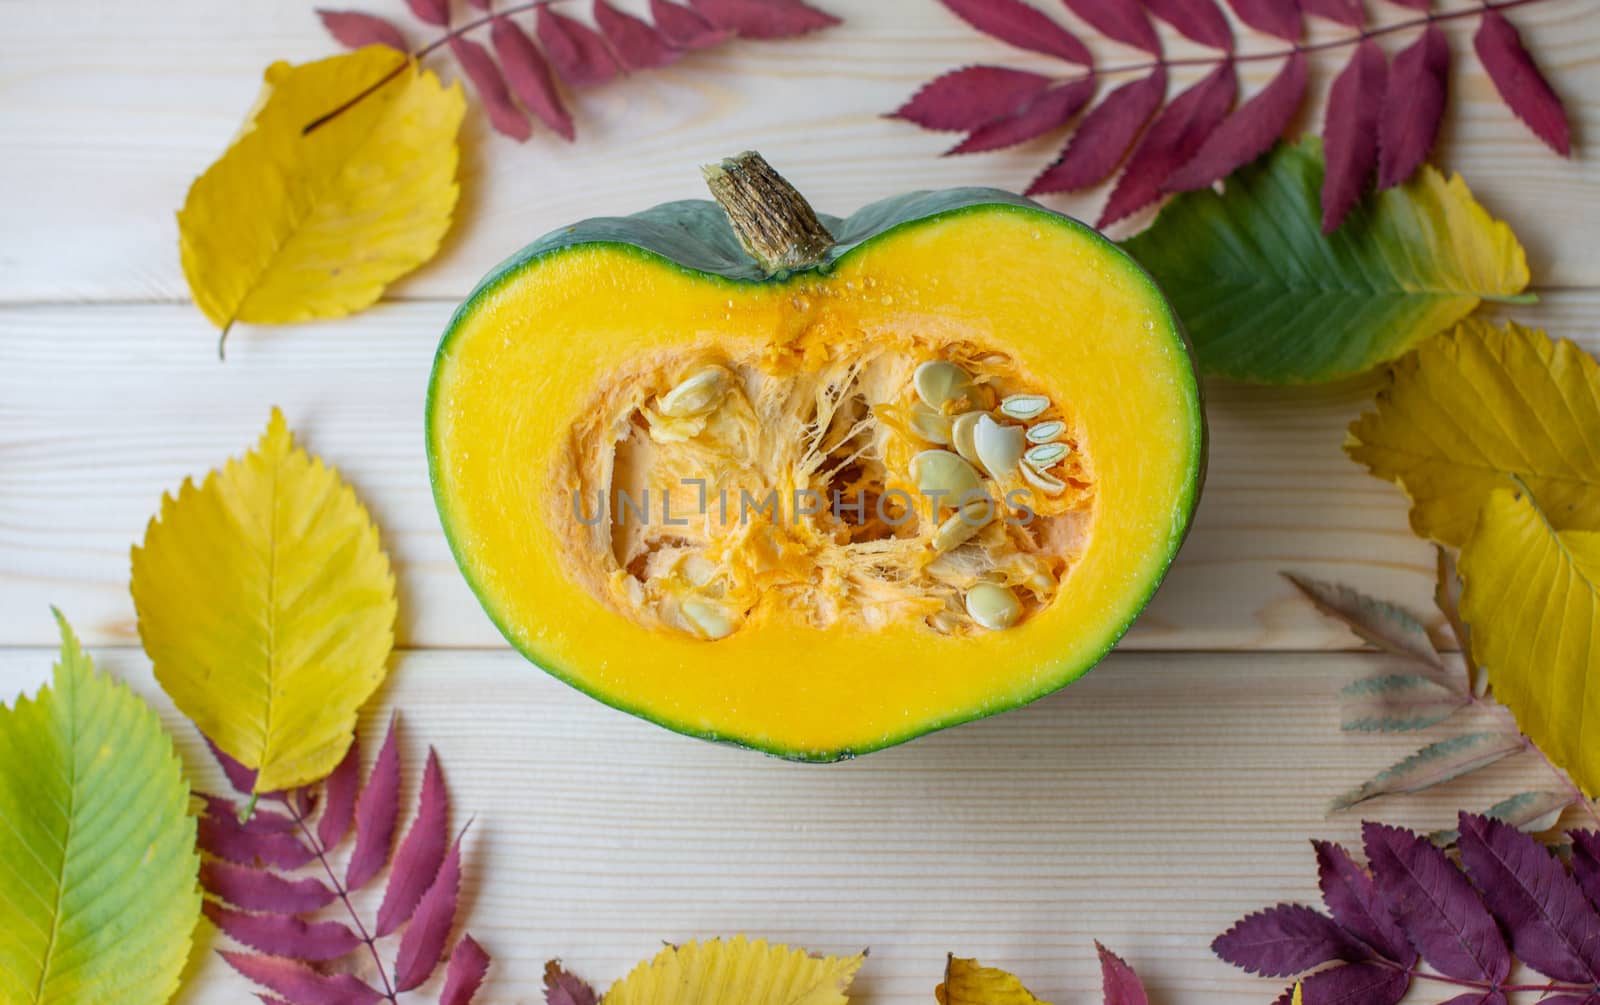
[{"x": 543, "y": 380}]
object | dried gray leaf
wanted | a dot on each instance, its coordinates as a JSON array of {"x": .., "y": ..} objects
[
  {"x": 1530, "y": 812},
  {"x": 1435, "y": 764},
  {"x": 1385, "y": 625},
  {"x": 1397, "y": 703}
]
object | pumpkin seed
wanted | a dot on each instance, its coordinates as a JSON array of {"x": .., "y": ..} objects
[
  {"x": 1045, "y": 454},
  {"x": 938, "y": 382},
  {"x": 708, "y": 620},
  {"x": 696, "y": 395},
  {"x": 1048, "y": 484},
  {"x": 941, "y": 474},
  {"x": 961, "y": 428},
  {"x": 998, "y": 447},
  {"x": 962, "y": 526},
  {"x": 993, "y": 606},
  {"x": 1046, "y": 432},
  {"x": 1024, "y": 406},
  {"x": 933, "y": 426}
]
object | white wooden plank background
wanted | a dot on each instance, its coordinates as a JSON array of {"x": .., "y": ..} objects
[{"x": 1147, "y": 806}]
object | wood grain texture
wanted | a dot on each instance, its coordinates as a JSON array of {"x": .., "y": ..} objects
[
  {"x": 1149, "y": 806},
  {"x": 102, "y": 409},
  {"x": 110, "y": 108}
]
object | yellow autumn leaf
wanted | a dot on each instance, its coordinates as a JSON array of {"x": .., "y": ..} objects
[
  {"x": 291, "y": 225},
  {"x": 967, "y": 982},
  {"x": 736, "y": 971},
  {"x": 1469, "y": 409},
  {"x": 267, "y": 607},
  {"x": 1532, "y": 596}
]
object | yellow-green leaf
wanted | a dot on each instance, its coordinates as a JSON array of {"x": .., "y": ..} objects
[
  {"x": 967, "y": 982},
  {"x": 98, "y": 874},
  {"x": 1266, "y": 296},
  {"x": 268, "y": 608},
  {"x": 291, "y": 225},
  {"x": 1532, "y": 597},
  {"x": 736, "y": 971},
  {"x": 1474, "y": 407}
]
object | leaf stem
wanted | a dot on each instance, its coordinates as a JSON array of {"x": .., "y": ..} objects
[
  {"x": 1551, "y": 987},
  {"x": 344, "y": 896},
  {"x": 1336, "y": 43}
]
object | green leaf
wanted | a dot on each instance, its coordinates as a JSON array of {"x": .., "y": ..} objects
[
  {"x": 1267, "y": 297},
  {"x": 1435, "y": 764},
  {"x": 98, "y": 871}
]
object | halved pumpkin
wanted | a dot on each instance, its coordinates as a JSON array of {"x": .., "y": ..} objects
[{"x": 727, "y": 467}]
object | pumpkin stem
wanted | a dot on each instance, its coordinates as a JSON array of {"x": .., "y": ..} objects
[{"x": 772, "y": 220}]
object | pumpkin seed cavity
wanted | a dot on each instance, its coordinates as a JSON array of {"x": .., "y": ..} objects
[{"x": 872, "y": 485}]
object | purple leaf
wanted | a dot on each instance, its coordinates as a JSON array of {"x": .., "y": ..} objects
[
  {"x": 529, "y": 76},
  {"x": 259, "y": 890},
  {"x": 464, "y": 974},
  {"x": 964, "y": 99},
  {"x": 1171, "y": 140},
  {"x": 1023, "y": 26},
  {"x": 1413, "y": 106},
  {"x": 434, "y": 12},
  {"x": 683, "y": 28},
  {"x": 637, "y": 43},
  {"x": 576, "y": 51},
  {"x": 242, "y": 779},
  {"x": 423, "y": 941},
  {"x": 1350, "y": 132},
  {"x": 1104, "y": 136},
  {"x": 261, "y": 821},
  {"x": 376, "y": 810},
  {"x": 1280, "y": 18},
  {"x": 764, "y": 18},
  {"x": 421, "y": 852},
  {"x": 1119, "y": 985},
  {"x": 1050, "y": 110},
  {"x": 1120, "y": 21},
  {"x": 1482, "y": 998},
  {"x": 1355, "y": 984},
  {"x": 504, "y": 115},
  {"x": 1248, "y": 132},
  {"x": 1283, "y": 941},
  {"x": 1345, "y": 12},
  {"x": 299, "y": 983},
  {"x": 353, "y": 29},
  {"x": 1435, "y": 905},
  {"x": 285, "y": 935},
  {"x": 562, "y": 987},
  {"x": 339, "y": 802},
  {"x": 266, "y": 999},
  {"x": 1353, "y": 900},
  {"x": 224, "y": 837},
  {"x": 1413, "y": 4},
  {"x": 1552, "y": 928},
  {"x": 1516, "y": 76},
  {"x": 482, "y": 5},
  {"x": 1586, "y": 863},
  {"x": 1198, "y": 20},
  {"x": 1574, "y": 999}
]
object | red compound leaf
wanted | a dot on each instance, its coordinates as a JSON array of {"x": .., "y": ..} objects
[
  {"x": 1350, "y": 132},
  {"x": 685, "y": 29},
  {"x": 1103, "y": 137},
  {"x": 480, "y": 68},
  {"x": 576, "y": 51},
  {"x": 1173, "y": 138},
  {"x": 637, "y": 43},
  {"x": 1248, "y": 132},
  {"x": 1279, "y": 18},
  {"x": 1197, "y": 20},
  {"x": 353, "y": 29},
  {"x": 1413, "y": 106},
  {"x": 1022, "y": 25},
  {"x": 529, "y": 76},
  {"x": 764, "y": 18},
  {"x": 1120, "y": 21},
  {"x": 1521, "y": 85},
  {"x": 964, "y": 99},
  {"x": 1050, "y": 110}
]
